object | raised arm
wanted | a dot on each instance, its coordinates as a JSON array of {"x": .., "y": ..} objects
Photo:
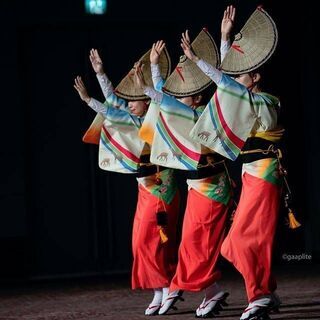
[
  {"x": 155, "y": 53},
  {"x": 107, "y": 110},
  {"x": 105, "y": 84},
  {"x": 155, "y": 95},
  {"x": 226, "y": 28},
  {"x": 83, "y": 93},
  {"x": 97, "y": 65},
  {"x": 212, "y": 72},
  {"x": 166, "y": 102}
]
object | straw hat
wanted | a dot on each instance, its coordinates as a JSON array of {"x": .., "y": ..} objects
[
  {"x": 187, "y": 79},
  {"x": 128, "y": 89},
  {"x": 253, "y": 45}
]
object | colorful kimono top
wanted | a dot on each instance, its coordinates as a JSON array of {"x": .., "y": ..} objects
[
  {"x": 172, "y": 146},
  {"x": 232, "y": 116},
  {"x": 121, "y": 149},
  {"x": 119, "y": 146}
]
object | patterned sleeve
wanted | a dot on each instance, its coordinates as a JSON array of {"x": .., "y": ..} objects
[
  {"x": 116, "y": 102},
  {"x": 224, "y": 48},
  {"x": 97, "y": 106},
  {"x": 170, "y": 104},
  {"x": 105, "y": 85},
  {"x": 228, "y": 82},
  {"x": 171, "y": 144},
  {"x": 108, "y": 111},
  {"x": 213, "y": 73},
  {"x": 157, "y": 80},
  {"x": 155, "y": 95},
  {"x": 108, "y": 92},
  {"x": 262, "y": 106}
]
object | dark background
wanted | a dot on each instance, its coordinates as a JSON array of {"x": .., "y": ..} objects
[{"x": 60, "y": 215}]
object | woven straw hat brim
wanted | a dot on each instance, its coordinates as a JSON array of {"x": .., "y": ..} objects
[
  {"x": 187, "y": 79},
  {"x": 128, "y": 89},
  {"x": 253, "y": 45}
]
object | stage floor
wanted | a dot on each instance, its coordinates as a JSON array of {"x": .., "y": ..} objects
[{"x": 99, "y": 299}]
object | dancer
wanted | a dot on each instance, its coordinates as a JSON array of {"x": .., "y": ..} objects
[
  {"x": 121, "y": 150},
  {"x": 208, "y": 183},
  {"x": 241, "y": 120}
]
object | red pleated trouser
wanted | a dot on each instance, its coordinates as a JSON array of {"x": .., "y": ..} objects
[
  {"x": 202, "y": 236},
  {"x": 154, "y": 262},
  {"x": 248, "y": 245}
]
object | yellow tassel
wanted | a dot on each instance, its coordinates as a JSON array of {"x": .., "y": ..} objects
[
  {"x": 163, "y": 236},
  {"x": 293, "y": 223}
]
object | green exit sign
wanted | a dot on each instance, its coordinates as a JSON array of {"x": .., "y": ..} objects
[{"x": 96, "y": 6}]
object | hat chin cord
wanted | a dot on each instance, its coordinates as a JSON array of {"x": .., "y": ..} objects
[
  {"x": 146, "y": 106},
  {"x": 253, "y": 85}
]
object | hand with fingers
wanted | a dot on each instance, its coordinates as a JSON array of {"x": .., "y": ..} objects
[
  {"x": 82, "y": 91},
  {"x": 227, "y": 22},
  {"x": 186, "y": 46},
  {"x": 156, "y": 51},
  {"x": 96, "y": 61},
  {"x": 138, "y": 74}
]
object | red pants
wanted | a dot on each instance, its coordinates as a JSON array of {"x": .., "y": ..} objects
[
  {"x": 154, "y": 263},
  {"x": 202, "y": 235},
  {"x": 250, "y": 240}
]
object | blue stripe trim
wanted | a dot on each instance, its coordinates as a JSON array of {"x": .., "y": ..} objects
[
  {"x": 187, "y": 165},
  {"x": 231, "y": 154}
]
